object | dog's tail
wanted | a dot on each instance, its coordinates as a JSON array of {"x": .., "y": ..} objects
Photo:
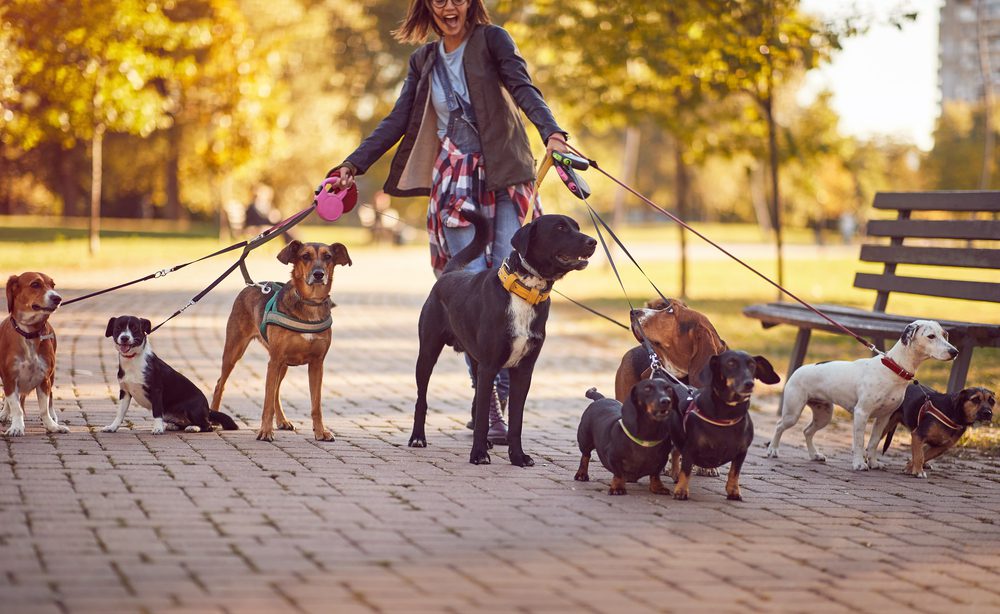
[
  {"x": 890, "y": 428},
  {"x": 593, "y": 395},
  {"x": 476, "y": 248},
  {"x": 222, "y": 420}
]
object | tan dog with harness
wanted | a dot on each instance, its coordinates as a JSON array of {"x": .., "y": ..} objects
[{"x": 293, "y": 322}]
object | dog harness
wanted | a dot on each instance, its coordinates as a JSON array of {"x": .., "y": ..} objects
[
  {"x": 693, "y": 410},
  {"x": 35, "y": 335},
  {"x": 512, "y": 283},
  {"x": 928, "y": 409},
  {"x": 642, "y": 442},
  {"x": 273, "y": 316},
  {"x": 894, "y": 366}
]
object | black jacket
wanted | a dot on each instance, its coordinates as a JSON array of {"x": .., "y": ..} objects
[{"x": 498, "y": 84}]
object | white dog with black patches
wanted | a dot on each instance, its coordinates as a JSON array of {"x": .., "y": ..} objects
[{"x": 868, "y": 388}]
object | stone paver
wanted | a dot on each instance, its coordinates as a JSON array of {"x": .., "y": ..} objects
[{"x": 126, "y": 521}]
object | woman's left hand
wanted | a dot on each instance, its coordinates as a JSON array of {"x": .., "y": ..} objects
[{"x": 556, "y": 142}]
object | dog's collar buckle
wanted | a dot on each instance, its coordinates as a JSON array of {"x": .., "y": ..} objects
[
  {"x": 894, "y": 366},
  {"x": 512, "y": 283},
  {"x": 928, "y": 409},
  {"x": 646, "y": 443}
]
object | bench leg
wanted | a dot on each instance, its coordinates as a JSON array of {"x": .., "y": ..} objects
[
  {"x": 797, "y": 358},
  {"x": 960, "y": 367}
]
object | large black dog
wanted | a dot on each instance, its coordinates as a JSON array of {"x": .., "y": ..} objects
[
  {"x": 714, "y": 427},
  {"x": 631, "y": 438},
  {"x": 499, "y": 324}
]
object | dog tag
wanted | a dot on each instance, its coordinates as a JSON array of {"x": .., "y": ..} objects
[{"x": 332, "y": 203}]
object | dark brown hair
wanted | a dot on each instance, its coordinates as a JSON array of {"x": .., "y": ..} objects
[{"x": 419, "y": 19}]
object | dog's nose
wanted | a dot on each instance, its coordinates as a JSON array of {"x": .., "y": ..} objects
[
  {"x": 591, "y": 242},
  {"x": 318, "y": 275},
  {"x": 56, "y": 299},
  {"x": 747, "y": 386},
  {"x": 664, "y": 403},
  {"x": 952, "y": 352},
  {"x": 985, "y": 416}
]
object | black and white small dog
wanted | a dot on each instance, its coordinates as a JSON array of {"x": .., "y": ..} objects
[{"x": 142, "y": 375}]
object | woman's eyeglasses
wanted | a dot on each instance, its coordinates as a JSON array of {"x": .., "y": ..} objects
[{"x": 440, "y": 4}]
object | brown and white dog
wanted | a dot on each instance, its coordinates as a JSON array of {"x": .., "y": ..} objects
[
  {"x": 28, "y": 350},
  {"x": 683, "y": 339},
  {"x": 304, "y": 302}
]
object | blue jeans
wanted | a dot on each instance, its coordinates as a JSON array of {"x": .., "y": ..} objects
[{"x": 505, "y": 225}]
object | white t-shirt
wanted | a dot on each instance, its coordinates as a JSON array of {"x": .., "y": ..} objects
[{"x": 453, "y": 64}]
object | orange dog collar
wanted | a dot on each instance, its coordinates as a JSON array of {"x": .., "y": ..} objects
[{"x": 513, "y": 284}]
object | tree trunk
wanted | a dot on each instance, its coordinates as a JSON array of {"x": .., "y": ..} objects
[
  {"x": 989, "y": 142},
  {"x": 630, "y": 159},
  {"x": 772, "y": 146},
  {"x": 172, "y": 183},
  {"x": 682, "y": 182},
  {"x": 97, "y": 146},
  {"x": 69, "y": 189}
]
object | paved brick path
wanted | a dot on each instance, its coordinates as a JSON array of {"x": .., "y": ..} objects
[{"x": 123, "y": 522}]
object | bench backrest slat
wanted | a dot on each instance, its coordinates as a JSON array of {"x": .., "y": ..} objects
[
  {"x": 947, "y": 288},
  {"x": 965, "y": 200},
  {"x": 936, "y": 256},
  {"x": 983, "y": 230}
]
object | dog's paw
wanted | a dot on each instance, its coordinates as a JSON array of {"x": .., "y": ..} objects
[
  {"x": 712, "y": 473},
  {"x": 620, "y": 490},
  {"x": 734, "y": 496},
  {"x": 192, "y": 429},
  {"x": 287, "y": 426},
  {"x": 860, "y": 465},
  {"x": 522, "y": 460},
  {"x": 418, "y": 441},
  {"x": 15, "y": 431},
  {"x": 57, "y": 428},
  {"x": 324, "y": 435},
  {"x": 922, "y": 475},
  {"x": 582, "y": 476},
  {"x": 877, "y": 464},
  {"x": 681, "y": 495},
  {"x": 659, "y": 489},
  {"x": 819, "y": 457},
  {"x": 479, "y": 457},
  {"x": 771, "y": 452},
  {"x": 158, "y": 430},
  {"x": 928, "y": 466},
  {"x": 263, "y": 435},
  {"x": 111, "y": 428}
]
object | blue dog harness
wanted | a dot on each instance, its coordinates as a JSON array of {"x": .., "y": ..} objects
[{"x": 273, "y": 316}]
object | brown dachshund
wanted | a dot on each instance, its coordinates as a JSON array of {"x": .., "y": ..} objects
[
  {"x": 293, "y": 322},
  {"x": 28, "y": 350},
  {"x": 682, "y": 338}
]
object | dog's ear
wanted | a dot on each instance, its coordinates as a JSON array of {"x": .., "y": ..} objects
[
  {"x": 704, "y": 350},
  {"x": 765, "y": 372},
  {"x": 340, "y": 255},
  {"x": 707, "y": 373},
  {"x": 11, "y": 292},
  {"x": 288, "y": 253},
  {"x": 908, "y": 332},
  {"x": 147, "y": 326},
  {"x": 110, "y": 330},
  {"x": 633, "y": 397},
  {"x": 522, "y": 239}
]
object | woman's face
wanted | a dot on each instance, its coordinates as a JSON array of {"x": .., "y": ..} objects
[{"x": 450, "y": 16}]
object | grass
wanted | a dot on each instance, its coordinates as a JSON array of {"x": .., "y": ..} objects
[{"x": 717, "y": 286}]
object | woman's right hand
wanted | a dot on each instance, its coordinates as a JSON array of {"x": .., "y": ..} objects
[{"x": 346, "y": 176}]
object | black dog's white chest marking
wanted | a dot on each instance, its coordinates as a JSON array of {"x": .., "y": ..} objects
[
  {"x": 521, "y": 315},
  {"x": 133, "y": 376}
]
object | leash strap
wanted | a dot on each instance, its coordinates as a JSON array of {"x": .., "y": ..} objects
[
  {"x": 593, "y": 311},
  {"x": 871, "y": 347}
]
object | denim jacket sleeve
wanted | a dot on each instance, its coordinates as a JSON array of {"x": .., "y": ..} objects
[
  {"x": 514, "y": 73},
  {"x": 390, "y": 129}
]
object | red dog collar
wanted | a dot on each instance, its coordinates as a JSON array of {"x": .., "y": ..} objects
[{"x": 893, "y": 366}]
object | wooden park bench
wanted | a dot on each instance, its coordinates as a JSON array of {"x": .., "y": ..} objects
[{"x": 954, "y": 229}]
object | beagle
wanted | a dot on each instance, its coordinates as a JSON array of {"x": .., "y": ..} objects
[
  {"x": 28, "y": 350},
  {"x": 683, "y": 339}
]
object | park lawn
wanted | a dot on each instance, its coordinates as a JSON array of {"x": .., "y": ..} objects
[{"x": 717, "y": 286}]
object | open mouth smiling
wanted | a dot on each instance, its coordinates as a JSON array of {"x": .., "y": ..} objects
[{"x": 576, "y": 262}]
